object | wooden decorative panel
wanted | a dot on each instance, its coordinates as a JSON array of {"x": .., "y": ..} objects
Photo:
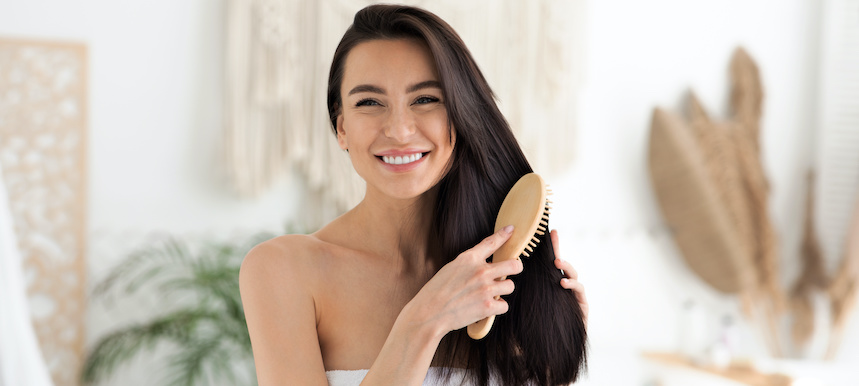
[{"x": 43, "y": 109}]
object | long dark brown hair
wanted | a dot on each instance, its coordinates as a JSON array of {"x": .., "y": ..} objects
[{"x": 541, "y": 340}]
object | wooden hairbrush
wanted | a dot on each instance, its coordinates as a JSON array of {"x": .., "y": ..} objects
[{"x": 526, "y": 207}]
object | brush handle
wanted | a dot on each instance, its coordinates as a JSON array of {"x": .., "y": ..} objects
[
  {"x": 526, "y": 208},
  {"x": 479, "y": 329}
]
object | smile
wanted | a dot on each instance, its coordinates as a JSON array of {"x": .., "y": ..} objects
[{"x": 402, "y": 160}]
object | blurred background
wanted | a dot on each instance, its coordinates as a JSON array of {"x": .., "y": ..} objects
[{"x": 145, "y": 145}]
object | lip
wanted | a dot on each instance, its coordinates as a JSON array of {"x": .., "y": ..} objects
[
  {"x": 401, "y": 152},
  {"x": 402, "y": 168}
]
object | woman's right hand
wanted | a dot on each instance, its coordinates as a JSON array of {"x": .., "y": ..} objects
[
  {"x": 462, "y": 292},
  {"x": 467, "y": 289}
]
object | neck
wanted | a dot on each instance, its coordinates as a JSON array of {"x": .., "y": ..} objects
[{"x": 397, "y": 229}]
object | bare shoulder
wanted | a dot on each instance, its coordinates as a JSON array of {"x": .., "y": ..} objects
[
  {"x": 282, "y": 249},
  {"x": 278, "y": 280},
  {"x": 295, "y": 264},
  {"x": 288, "y": 256}
]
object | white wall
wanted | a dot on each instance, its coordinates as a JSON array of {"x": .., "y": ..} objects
[
  {"x": 646, "y": 54},
  {"x": 155, "y": 116},
  {"x": 156, "y": 70},
  {"x": 157, "y": 85}
]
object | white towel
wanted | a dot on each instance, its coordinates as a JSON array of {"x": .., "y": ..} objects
[{"x": 354, "y": 377}]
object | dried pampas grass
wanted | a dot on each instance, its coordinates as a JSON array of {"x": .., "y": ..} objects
[
  {"x": 845, "y": 285},
  {"x": 746, "y": 105},
  {"x": 692, "y": 207},
  {"x": 813, "y": 276},
  {"x": 720, "y": 159},
  {"x": 715, "y": 196}
]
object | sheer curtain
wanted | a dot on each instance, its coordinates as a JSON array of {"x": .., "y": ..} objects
[
  {"x": 21, "y": 361},
  {"x": 838, "y": 166}
]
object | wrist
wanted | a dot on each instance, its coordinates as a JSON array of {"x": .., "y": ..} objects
[
  {"x": 408, "y": 351},
  {"x": 417, "y": 323}
]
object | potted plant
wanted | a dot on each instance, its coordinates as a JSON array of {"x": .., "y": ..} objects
[{"x": 203, "y": 315}]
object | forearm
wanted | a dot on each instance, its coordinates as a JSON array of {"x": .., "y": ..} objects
[
  {"x": 462, "y": 292},
  {"x": 407, "y": 354}
]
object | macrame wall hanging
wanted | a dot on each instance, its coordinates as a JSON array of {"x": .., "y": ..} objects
[
  {"x": 42, "y": 153},
  {"x": 277, "y": 63}
]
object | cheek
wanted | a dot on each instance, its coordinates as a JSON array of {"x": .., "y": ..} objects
[
  {"x": 437, "y": 127},
  {"x": 353, "y": 130}
]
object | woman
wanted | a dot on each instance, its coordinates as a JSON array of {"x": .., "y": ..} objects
[{"x": 387, "y": 287}]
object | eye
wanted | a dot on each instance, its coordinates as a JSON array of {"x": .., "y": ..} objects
[
  {"x": 426, "y": 100},
  {"x": 367, "y": 102}
]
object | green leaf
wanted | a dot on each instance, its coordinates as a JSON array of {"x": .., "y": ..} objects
[{"x": 209, "y": 328}]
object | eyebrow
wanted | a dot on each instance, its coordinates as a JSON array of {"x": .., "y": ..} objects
[
  {"x": 425, "y": 84},
  {"x": 366, "y": 88},
  {"x": 379, "y": 90}
]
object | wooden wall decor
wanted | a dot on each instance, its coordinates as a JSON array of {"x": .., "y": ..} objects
[{"x": 43, "y": 115}]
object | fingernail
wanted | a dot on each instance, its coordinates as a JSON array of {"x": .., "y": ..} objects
[
  {"x": 507, "y": 229},
  {"x": 565, "y": 280}
]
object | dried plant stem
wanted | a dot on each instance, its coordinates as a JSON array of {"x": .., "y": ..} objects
[
  {"x": 844, "y": 288},
  {"x": 720, "y": 159},
  {"x": 813, "y": 276},
  {"x": 746, "y": 101},
  {"x": 747, "y": 95},
  {"x": 713, "y": 189}
]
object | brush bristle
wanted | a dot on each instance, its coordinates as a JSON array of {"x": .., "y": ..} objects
[
  {"x": 547, "y": 209},
  {"x": 542, "y": 227}
]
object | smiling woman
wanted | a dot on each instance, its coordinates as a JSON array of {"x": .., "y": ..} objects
[
  {"x": 393, "y": 121},
  {"x": 386, "y": 289}
]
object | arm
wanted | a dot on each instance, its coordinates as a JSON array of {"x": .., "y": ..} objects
[
  {"x": 281, "y": 318},
  {"x": 462, "y": 292}
]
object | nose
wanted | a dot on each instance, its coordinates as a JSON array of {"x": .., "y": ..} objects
[{"x": 400, "y": 124}]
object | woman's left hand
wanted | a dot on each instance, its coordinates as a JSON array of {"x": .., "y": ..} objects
[{"x": 571, "y": 281}]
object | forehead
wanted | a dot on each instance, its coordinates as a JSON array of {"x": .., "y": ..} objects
[{"x": 389, "y": 63}]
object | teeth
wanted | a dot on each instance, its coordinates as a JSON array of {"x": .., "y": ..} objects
[{"x": 399, "y": 160}]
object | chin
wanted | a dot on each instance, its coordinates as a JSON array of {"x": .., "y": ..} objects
[
  {"x": 406, "y": 194},
  {"x": 407, "y": 191}
]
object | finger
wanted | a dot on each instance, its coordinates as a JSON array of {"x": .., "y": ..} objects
[
  {"x": 556, "y": 248},
  {"x": 504, "y": 287},
  {"x": 490, "y": 244},
  {"x": 499, "y": 306},
  {"x": 490, "y": 306},
  {"x": 579, "y": 290},
  {"x": 493, "y": 306},
  {"x": 577, "y": 287},
  {"x": 568, "y": 269},
  {"x": 505, "y": 268}
]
